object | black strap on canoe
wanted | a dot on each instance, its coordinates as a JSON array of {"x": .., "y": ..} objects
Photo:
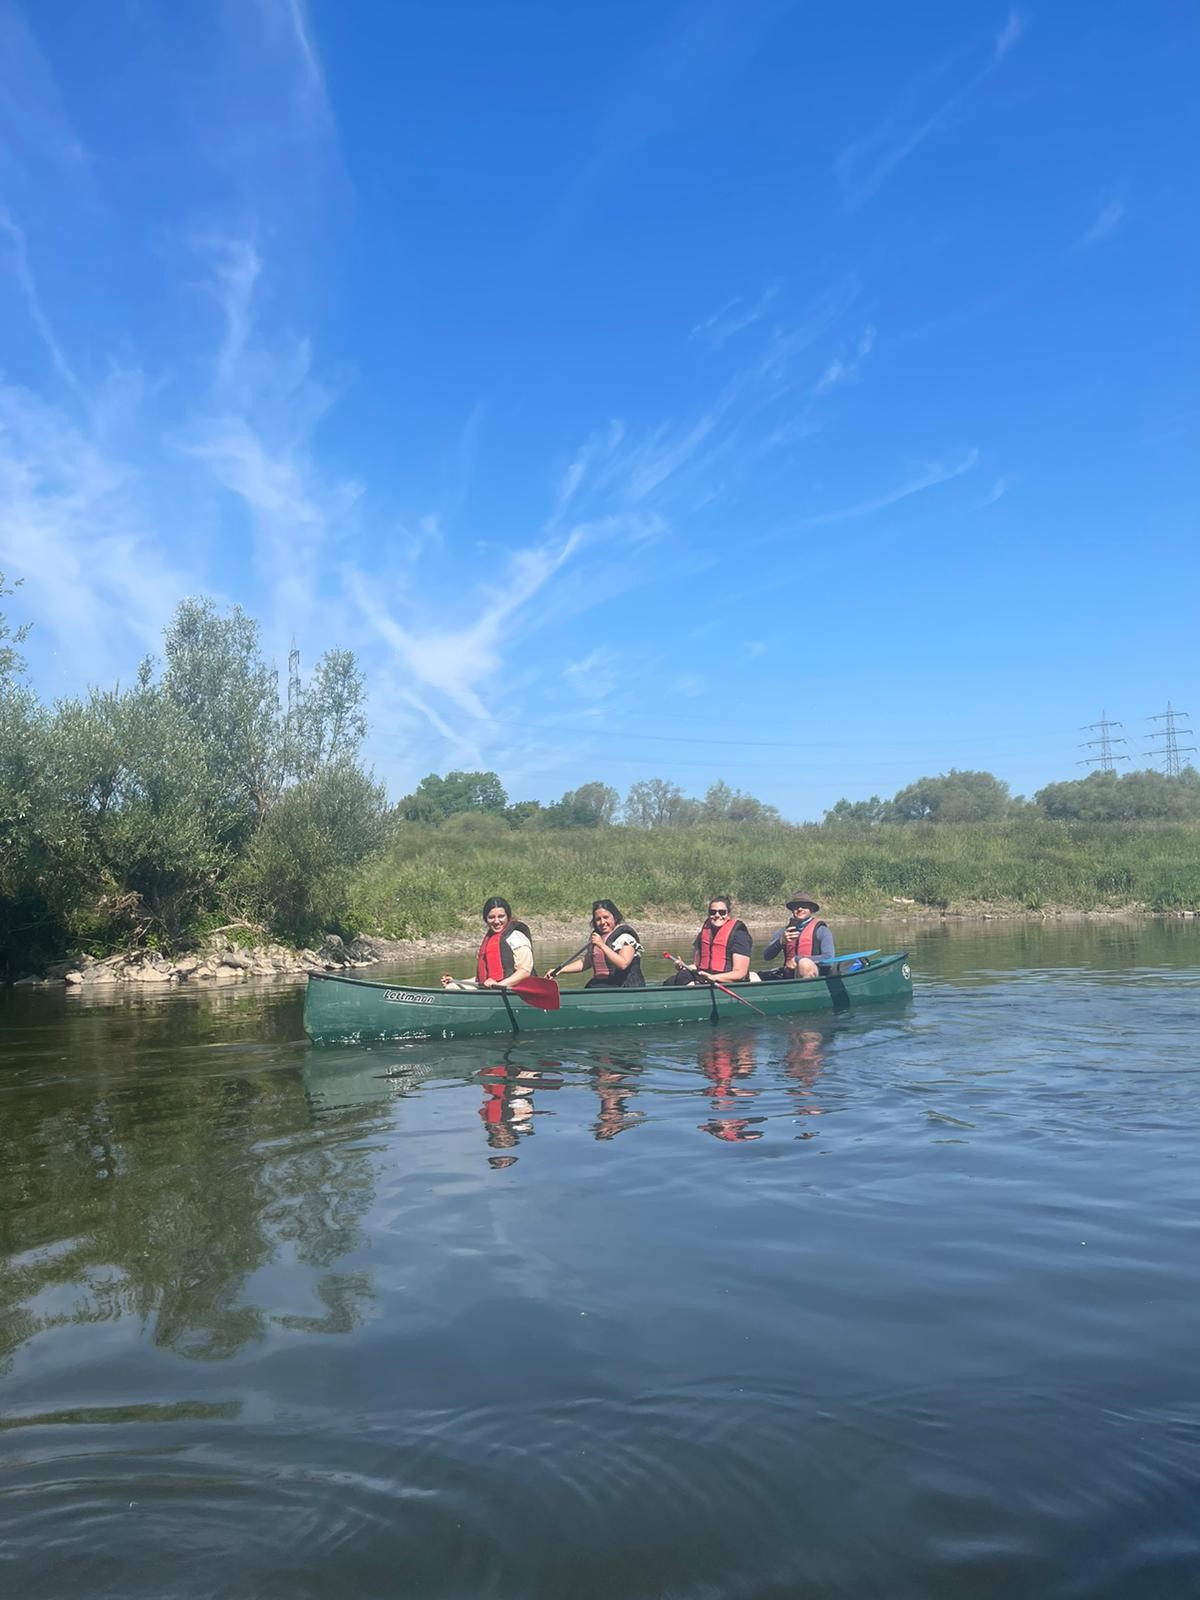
[{"x": 508, "y": 1006}]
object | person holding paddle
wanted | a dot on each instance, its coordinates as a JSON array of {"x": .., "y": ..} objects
[
  {"x": 506, "y": 955},
  {"x": 614, "y": 952},
  {"x": 722, "y": 948}
]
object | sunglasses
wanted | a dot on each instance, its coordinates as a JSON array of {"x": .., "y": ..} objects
[{"x": 718, "y": 911}]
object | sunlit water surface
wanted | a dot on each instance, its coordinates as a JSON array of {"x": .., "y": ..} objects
[{"x": 898, "y": 1304}]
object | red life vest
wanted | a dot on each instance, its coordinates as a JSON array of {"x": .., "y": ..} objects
[
  {"x": 495, "y": 958},
  {"x": 799, "y": 941},
  {"x": 603, "y": 968},
  {"x": 600, "y": 966},
  {"x": 712, "y": 946}
]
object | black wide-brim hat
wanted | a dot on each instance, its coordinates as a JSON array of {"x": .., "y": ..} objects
[{"x": 795, "y": 900}]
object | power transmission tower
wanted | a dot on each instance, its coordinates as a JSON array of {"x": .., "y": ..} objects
[
  {"x": 1104, "y": 744},
  {"x": 1169, "y": 748}
]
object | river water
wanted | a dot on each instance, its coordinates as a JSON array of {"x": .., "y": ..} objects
[{"x": 898, "y": 1304}]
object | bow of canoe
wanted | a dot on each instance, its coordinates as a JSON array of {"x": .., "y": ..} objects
[{"x": 341, "y": 1010}]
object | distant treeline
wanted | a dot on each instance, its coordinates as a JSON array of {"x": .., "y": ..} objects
[
  {"x": 953, "y": 796},
  {"x": 652, "y": 803}
]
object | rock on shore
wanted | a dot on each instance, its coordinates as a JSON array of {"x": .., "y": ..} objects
[{"x": 220, "y": 961}]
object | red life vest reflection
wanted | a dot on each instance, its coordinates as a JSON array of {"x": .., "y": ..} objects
[
  {"x": 614, "y": 1087},
  {"x": 507, "y": 1111},
  {"x": 724, "y": 1060},
  {"x": 804, "y": 1061}
]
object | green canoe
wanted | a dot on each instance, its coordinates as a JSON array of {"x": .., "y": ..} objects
[{"x": 352, "y": 1011}]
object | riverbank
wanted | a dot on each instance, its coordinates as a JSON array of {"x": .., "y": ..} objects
[
  {"x": 430, "y": 877},
  {"x": 223, "y": 962}
]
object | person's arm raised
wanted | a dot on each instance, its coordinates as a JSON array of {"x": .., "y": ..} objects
[{"x": 621, "y": 955}]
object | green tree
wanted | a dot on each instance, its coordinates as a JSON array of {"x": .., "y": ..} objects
[
  {"x": 319, "y": 831},
  {"x": 144, "y": 841},
  {"x": 592, "y": 805},
  {"x": 436, "y": 798},
  {"x": 655, "y": 803},
  {"x": 325, "y": 723},
  {"x": 522, "y": 813},
  {"x": 1146, "y": 796},
  {"x": 723, "y": 804},
  {"x": 955, "y": 796},
  {"x": 858, "y": 813},
  {"x": 228, "y": 696},
  {"x": 11, "y": 663},
  {"x": 130, "y": 812}
]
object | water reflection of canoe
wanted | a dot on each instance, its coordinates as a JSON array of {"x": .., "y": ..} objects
[{"x": 350, "y": 1010}]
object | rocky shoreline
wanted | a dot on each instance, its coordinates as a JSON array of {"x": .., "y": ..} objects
[{"x": 222, "y": 961}]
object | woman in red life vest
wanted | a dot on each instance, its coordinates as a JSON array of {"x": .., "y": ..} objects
[
  {"x": 506, "y": 954},
  {"x": 722, "y": 947},
  {"x": 614, "y": 953},
  {"x": 805, "y": 943}
]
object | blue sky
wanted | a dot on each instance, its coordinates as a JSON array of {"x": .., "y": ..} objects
[{"x": 801, "y": 396}]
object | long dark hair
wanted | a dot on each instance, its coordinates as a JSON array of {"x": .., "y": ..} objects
[
  {"x": 606, "y": 905},
  {"x": 490, "y": 905}
]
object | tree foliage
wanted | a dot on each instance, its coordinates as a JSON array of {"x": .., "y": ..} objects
[
  {"x": 133, "y": 812},
  {"x": 954, "y": 796},
  {"x": 11, "y": 664},
  {"x": 723, "y": 804},
  {"x": 655, "y": 803},
  {"x": 592, "y": 805},
  {"x": 311, "y": 841},
  {"x": 434, "y": 799},
  {"x": 1147, "y": 796}
]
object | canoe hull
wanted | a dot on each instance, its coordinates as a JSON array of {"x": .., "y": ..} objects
[{"x": 352, "y": 1011}]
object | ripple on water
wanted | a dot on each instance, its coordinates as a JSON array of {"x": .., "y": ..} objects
[
  {"x": 725, "y": 1489},
  {"x": 549, "y": 1320}
]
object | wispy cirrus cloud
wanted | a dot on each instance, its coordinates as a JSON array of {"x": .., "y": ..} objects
[
  {"x": 998, "y": 490},
  {"x": 286, "y": 35},
  {"x": 863, "y": 167},
  {"x": 74, "y": 524},
  {"x": 702, "y": 45},
  {"x": 931, "y": 477},
  {"x": 35, "y": 130},
  {"x": 255, "y": 437},
  {"x": 732, "y": 318},
  {"x": 1110, "y": 216},
  {"x": 845, "y": 369},
  {"x": 460, "y": 662},
  {"x": 13, "y": 237}
]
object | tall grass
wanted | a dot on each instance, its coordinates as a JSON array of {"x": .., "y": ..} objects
[{"x": 432, "y": 880}]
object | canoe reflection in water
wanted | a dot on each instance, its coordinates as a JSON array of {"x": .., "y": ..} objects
[
  {"x": 615, "y": 1083},
  {"x": 507, "y": 1111},
  {"x": 804, "y": 1060},
  {"x": 724, "y": 1059},
  {"x": 727, "y": 1060}
]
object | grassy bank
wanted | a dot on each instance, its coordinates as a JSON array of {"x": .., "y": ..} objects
[{"x": 434, "y": 877}]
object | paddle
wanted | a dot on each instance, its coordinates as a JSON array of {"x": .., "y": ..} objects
[
  {"x": 554, "y": 971},
  {"x": 704, "y": 978},
  {"x": 542, "y": 993}
]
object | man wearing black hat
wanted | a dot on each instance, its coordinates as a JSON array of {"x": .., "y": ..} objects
[{"x": 805, "y": 943}]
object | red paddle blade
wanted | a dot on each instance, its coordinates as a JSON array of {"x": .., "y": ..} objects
[{"x": 542, "y": 993}]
